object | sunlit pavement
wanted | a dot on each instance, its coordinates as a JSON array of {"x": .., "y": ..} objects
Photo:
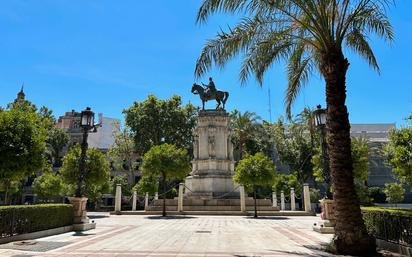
[{"x": 183, "y": 236}]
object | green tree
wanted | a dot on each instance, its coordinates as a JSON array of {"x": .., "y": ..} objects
[
  {"x": 97, "y": 172},
  {"x": 309, "y": 35},
  {"x": 22, "y": 148},
  {"x": 394, "y": 192},
  {"x": 398, "y": 153},
  {"x": 56, "y": 140},
  {"x": 156, "y": 121},
  {"x": 49, "y": 185},
  {"x": 167, "y": 162},
  {"x": 245, "y": 128},
  {"x": 255, "y": 170},
  {"x": 295, "y": 145},
  {"x": 360, "y": 156},
  {"x": 122, "y": 153},
  {"x": 147, "y": 184},
  {"x": 284, "y": 182},
  {"x": 126, "y": 187}
]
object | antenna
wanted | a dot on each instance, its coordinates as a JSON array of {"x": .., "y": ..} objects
[{"x": 270, "y": 105}]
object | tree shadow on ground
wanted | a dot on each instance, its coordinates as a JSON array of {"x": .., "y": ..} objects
[
  {"x": 97, "y": 216},
  {"x": 180, "y": 217},
  {"x": 267, "y": 218},
  {"x": 81, "y": 233}
]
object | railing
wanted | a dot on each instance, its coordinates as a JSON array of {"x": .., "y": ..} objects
[{"x": 391, "y": 227}]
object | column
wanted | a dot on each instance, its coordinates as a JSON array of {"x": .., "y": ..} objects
[
  {"x": 306, "y": 198},
  {"x": 156, "y": 197},
  {"x": 282, "y": 201},
  {"x": 118, "y": 199},
  {"x": 274, "y": 200},
  {"x": 242, "y": 199},
  {"x": 134, "y": 198},
  {"x": 146, "y": 201},
  {"x": 292, "y": 199},
  {"x": 180, "y": 198}
]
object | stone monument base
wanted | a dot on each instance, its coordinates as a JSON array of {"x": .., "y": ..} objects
[{"x": 211, "y": 186}]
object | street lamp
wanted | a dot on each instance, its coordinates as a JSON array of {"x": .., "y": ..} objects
[
  {"x": 80, "y": 220},
  {"x": 320, "y": 123},
  {"x": 87, "y": 124}
]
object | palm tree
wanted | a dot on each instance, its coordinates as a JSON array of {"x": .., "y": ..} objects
[
  {"x": 244, "y": 127},
  {"x": 310, "y": 35}
]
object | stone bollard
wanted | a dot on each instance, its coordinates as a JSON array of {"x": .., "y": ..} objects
[
  {"x": 156, "y": 197},
  {"x": 118, "y": 199},
  {"x": 292, "y": 199},
  {"x": 306, "y": 198},
  {"x": 134, "y": 201},
  {"x": 180, "y": 198},
  {"x": 146, "y": 201},
  {"x": 282, "y": 201},
  {"x": 274, "y": 200},
  {"x": 242, "y": 199}
]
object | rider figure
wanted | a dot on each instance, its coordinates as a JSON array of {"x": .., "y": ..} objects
[{"x": 211, "y": 88}]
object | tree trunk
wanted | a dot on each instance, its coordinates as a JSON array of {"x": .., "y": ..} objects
[
  {"x": 6, "y": 192},
  {"x": 351, "y": 236},
  {"x": 254, "y": 198},
  {"x": 164, "y": 196}
]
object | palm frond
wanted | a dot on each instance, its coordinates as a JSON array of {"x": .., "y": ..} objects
[
  {"x": 227, "y": 44},
  {"x": 357, "y": 42},
  {"x": 300, "y": 66}
]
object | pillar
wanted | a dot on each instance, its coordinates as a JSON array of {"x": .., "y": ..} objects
[
  {"x": 242, "y": 199},
  {"x": 306, "y": 198},
  {"x": 146, "y": 201},
  {"x": 292, "y": 199},
  {"x": 180, "y": 198},
  {"x": 274, "y": 200},
  {"x": 282, "y": 201},
  {"x": 118, "y": 199},
  {"x": 156, "y": 197},
  {"x": 134, "y": 198}
]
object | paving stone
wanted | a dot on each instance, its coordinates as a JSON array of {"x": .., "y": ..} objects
[{"x": 215, "y": 236}]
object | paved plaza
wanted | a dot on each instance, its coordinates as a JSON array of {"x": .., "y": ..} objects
[{"x": 183, "y": 236}]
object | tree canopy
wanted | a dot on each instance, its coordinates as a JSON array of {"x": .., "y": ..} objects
[
  {"x": 22, "y": 148},
  {"x": 166, "y": 161},
  {"x": 255, "y": 170},
  {"x": 155, "y": 121},
  {"x": 398, "y": 153},
  {"x": 394, "y": 192},
  {"x": 97, "y": 171},
  {"x": 122, "y": 153}
]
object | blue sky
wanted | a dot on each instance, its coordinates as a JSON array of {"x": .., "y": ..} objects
[{"x": 106, "y": 54}]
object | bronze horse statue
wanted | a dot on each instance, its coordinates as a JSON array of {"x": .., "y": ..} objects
[{"x": 220, "y": 96}]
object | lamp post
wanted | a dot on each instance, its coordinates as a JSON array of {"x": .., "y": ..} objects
[
  {"x": 87, "y": 124},
  {"x": 320, "y": 123},
  {"x": 81, "y": 222}
]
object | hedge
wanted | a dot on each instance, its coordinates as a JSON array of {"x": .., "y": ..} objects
[
  {"x": 389, "y": 224},
  {"x": 21, "y": 219}
]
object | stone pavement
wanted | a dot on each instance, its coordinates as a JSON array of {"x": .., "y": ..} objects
[{"x": 183, "y": 236}]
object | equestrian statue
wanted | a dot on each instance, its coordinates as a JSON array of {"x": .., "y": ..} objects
[{"x": 209, "y": 92}]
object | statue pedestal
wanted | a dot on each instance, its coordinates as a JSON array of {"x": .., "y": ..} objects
[{"x": 213, "y": 164}]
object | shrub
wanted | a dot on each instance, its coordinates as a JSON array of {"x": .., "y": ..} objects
[
  {"x": 394, "y": 192},
  {"x": 377, "y": 195},
  {"x": 389, "y": 224},
  {"x": 21, "y": 219}
]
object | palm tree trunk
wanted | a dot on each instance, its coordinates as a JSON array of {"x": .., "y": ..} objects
[{"x": 351, "y": 236}]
